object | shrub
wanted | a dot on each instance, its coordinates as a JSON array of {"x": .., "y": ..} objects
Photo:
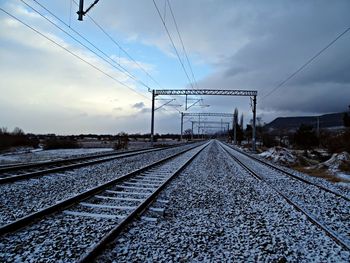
[
  {"x": 337, "y": 143},
  {"x": 56, "y": 143},
  {"x": 16, "y": 138},
  {"x": 122, "y": 141},
  {"x": 305, "y": 137},
  {"x": 345, "y": 167},
  {"x": 269, "y": 140}
]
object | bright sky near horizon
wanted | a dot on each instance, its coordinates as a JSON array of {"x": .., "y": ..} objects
[{"x": 231, "y": 45}]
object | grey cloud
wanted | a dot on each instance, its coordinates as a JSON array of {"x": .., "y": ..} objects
[
  {"x": 248, "y": 45},
  {"x": 256, "y": 45},
  {"x": 139, "y": 105}
]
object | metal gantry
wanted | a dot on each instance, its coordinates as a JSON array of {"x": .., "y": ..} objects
[
  {"x": 221, "y": 92},
  {"x": 223, "y": 125},
  {"x": 208, "y": 114},
  {"x": 209, "y": 122},
  {"x": 199, "y": 115},
  {"x": 185, "y": 92}
]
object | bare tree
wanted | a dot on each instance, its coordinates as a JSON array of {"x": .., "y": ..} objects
[{"x": 18, "y": 131}]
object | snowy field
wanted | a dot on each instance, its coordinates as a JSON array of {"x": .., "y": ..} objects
[
  {"x": 46, "y": 155},
  {"x": 40, "y": 155}
]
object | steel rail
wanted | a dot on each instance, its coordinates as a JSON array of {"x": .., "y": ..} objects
[
  {"x": 26, "y": 220},
  {"x": 62, "y": 164},
  {"x": 311, "y": 218},
  {"x": 290, "y": 174},
  {"x": 17, "y": 166},
  {"x": 99, "y": 247}
]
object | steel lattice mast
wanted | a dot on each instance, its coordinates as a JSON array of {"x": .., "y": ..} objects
[{"x": 185, "y": 92}]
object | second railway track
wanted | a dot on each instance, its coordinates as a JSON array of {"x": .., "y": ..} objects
[
  {"x": 14, "y": 173},
  {"x": 84, "y": 224},
  {"x": 329, "y": 211},
  {"x": 289, "y": 174}
]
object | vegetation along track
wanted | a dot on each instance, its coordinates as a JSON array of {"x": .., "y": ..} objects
[
  {"x": 85, "y": 223},
  {"x": 25, "y": 171},
  {"x": 329, "y": 211}
]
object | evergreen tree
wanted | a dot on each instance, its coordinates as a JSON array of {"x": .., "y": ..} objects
[
  {"x": 241, "y": 122},
  {"x": 306, "y": 137},
  {"x": 346, "y": 119}
]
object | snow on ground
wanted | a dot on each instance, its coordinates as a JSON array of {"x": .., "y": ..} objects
[
  {"x": 324, "y": 206},
  {"x": 333, "y": 165},
  {"x": 218, "y": 213},
  {"x": 287, "y": 157},
  {"x": 26, "y": 155},
  {"x": 46, "y": 155},
  {"x": 279, "y": 155},
  {"x": 20, "y": 198},
  {"x": 62, "y": 238}
]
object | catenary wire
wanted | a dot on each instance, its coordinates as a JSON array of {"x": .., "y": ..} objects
[
  {"x": 125, "y": 52},
  {"x": 306, "y": 63},
  {"x": 183, "y": 47},
  {"x": 173, "y": 44},
  {"x": 130, "y": 75},
  {"x": 120, "y": 47},
  {"x": 72, "y": 53},
  {"x": 182, "y": 43},
  {"x": 123, "y": 69}
]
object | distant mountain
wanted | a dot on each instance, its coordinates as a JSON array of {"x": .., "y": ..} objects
[{"x": 292, "y": 123}]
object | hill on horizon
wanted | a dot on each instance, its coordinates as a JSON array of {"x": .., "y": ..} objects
[{"x": 331, "y": 120}]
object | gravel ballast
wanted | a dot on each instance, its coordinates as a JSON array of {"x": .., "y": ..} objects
[
  {"x": 62, "y": 237},
  {"x": 217, "y": 212},
  {"x": 329, "y": 209},
  {"x": 21, "y": 198}
]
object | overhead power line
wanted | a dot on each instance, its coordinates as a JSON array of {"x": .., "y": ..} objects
[
  {"x": 72, "y": 53},
  {"x": 121, "y": 68},
  {"x": 128, "y": 73},
  {"x": 182, "y": 43},
  {"x": 124, "y": 51},
  {"x": 183, "y": 48},
  {"x": 120, "y": 47},
  {"x": 173, "y": 44},
  {"x": 306, "y": 63}
]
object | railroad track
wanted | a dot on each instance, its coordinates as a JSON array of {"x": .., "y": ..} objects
[
  {"x": 104, "y": 210},
  {"x": 25, "y": 171},
  {"x": 278, "y": 169},
  {"x": 338, "y": 231}
]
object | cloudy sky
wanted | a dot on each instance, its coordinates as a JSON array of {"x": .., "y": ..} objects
[{"x": 51, "y": 82}]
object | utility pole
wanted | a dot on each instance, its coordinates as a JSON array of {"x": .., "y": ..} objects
[
  {"x": 192, "y": 131},
  {"x": 221, "y": 127},
  {"x": 81, "y": 10},
  {"x": 254, "y": 125},
  {"x": 152, "y": 119},
  {"x": 228, "y": 132},
  {"x": 235, "y": 120},
  {"x": 182, "y": 124},
  {"x": 199, "y": 124}
]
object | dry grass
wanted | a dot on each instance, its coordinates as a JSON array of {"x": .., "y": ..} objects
[
  {"x": 318, "y": 173},
  {"x": 345, "y": 167}
]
